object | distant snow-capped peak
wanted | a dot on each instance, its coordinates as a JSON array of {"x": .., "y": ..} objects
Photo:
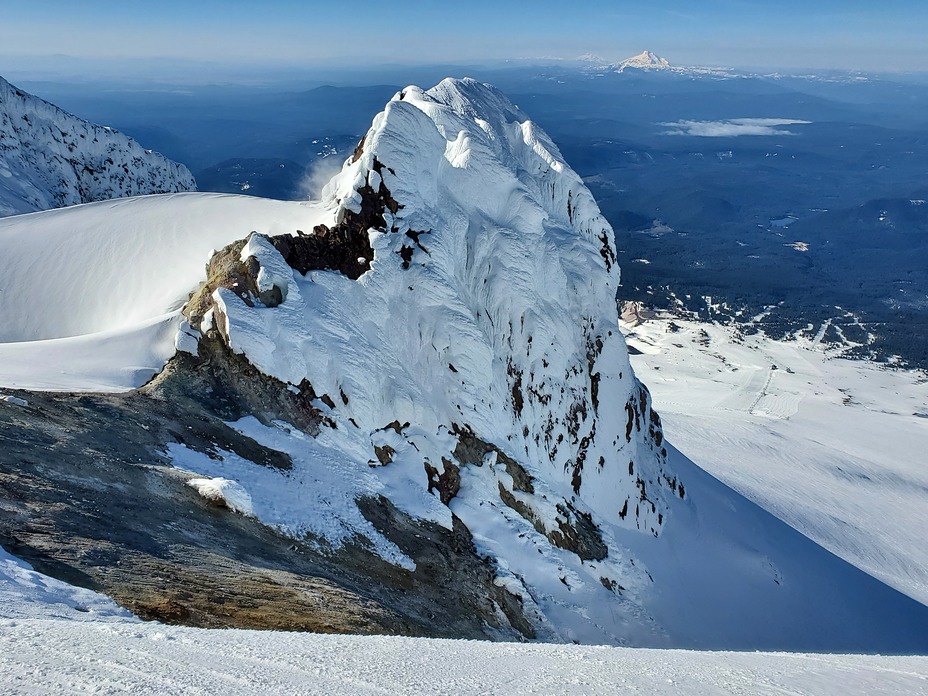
[
  {"x": 646, "y": 60},
  {"x": 591, "y": 58}
]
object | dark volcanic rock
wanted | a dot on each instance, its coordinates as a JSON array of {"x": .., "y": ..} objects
[{"x": 88, "y": 495}]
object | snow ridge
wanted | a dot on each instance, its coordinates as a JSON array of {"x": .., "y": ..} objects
[{"x": 51, "y": 159}]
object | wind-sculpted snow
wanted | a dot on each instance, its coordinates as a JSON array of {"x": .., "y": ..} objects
[
  {"x": 477, "y": 355},
  {"x": 489, "y": 306},
  {"x": 50, "y": 159},
  {"x": 90, "y": 296}
]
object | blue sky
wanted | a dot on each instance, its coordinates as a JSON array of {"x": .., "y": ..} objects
[{"x": 852, "y": 34}]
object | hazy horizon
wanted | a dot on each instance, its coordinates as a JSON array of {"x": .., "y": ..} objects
[
  {"x": 235, "y": 40},
  {"x": 170, "y": 72}
]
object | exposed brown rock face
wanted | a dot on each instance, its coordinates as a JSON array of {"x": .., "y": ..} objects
[
  {"x": 88, "y": 495},
  {"x": 224, "y": 270},
  {"x": 344, "y": 248},
  {"x": 447, "y": 483},
  {"x": 226, "y": 385},
  {"x": 576, "y": 531}
]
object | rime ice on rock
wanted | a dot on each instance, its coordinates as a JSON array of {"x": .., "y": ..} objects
[
  {"x": 489, "y": 307},
  {"x": 472, "y": 367}
]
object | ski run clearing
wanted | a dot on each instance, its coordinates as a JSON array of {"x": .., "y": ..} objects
[{"x": 834, "y": 447}]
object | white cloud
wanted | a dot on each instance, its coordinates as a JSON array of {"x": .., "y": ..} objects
[{"x": 731, "y": 128}]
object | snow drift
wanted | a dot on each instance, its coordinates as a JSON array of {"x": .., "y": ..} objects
[{"x": 91, "y": 295}]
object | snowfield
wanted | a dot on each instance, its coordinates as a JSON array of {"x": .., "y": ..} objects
[
  {"x": 59, "y": 657},
  {"x": 91, "y": 294},
  {"x": 836, "y": 448},
  {"x": 58, "y": 639}
]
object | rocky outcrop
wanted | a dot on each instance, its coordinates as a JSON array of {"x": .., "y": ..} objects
[
  {"x": 636, "y": 313},
  {"x": 415, "y": 333},
  {"x": 166, "y": 554}
]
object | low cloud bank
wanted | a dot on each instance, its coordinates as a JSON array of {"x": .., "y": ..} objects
[{"x": 731, "y": 128}]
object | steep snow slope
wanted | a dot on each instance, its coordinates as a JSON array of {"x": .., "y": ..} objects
[
  {"x": 91, "y": 295},
  {"x": 49, "y": 159},
  {"x": 832, "y": 446}
]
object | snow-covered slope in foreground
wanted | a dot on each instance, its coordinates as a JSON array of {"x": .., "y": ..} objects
[
  {"x": 61, "y": 657},
  {"x": 50, "y": 158},
  {"x": 59, "y": 639},
  {"x": 91, "y": 295}
]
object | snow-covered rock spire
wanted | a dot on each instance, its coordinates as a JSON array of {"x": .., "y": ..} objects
[
  {"x": 488, "y": 307},
  {"x": 517, "y": 268},
  {"x": 455, "y": 325}
]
